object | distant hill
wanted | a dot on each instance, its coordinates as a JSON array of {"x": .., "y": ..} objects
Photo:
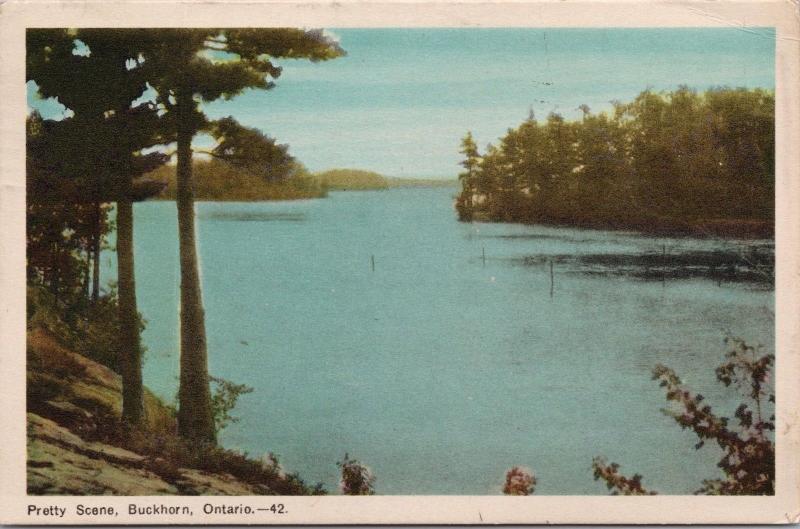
[
  {"x": 218, "y": 181},
  {"x": 351, "y": 179},
  {"x": 359, "y": 180}
]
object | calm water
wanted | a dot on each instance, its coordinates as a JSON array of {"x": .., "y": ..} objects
[{"x": 440, "y": 370}]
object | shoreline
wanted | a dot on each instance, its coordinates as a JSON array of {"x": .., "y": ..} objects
[
  {"x": 161, "y": 198},
  {"x": 750, "y": 230}
]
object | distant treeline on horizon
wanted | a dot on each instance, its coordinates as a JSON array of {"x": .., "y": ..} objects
[
  {"x": 673, "y": 162},
  {"x": 220, "y": 181}
]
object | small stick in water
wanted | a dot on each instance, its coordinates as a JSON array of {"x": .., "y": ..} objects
[
  {"x": 483, "y": 255},
  {"x": 664, "y": 265},
  {"x": 551, "y": 278},
  {"x": 372, "y": 260}
]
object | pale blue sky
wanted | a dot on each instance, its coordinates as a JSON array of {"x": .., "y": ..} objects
[{"x": 401, "y": 100}]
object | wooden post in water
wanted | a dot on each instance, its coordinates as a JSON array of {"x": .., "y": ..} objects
[
  {"x": 552, "y": 282},
  {"x": 483, "y": 255},
  {"x": 664, "y": 265},
  {"x": 372, "y": 260}
]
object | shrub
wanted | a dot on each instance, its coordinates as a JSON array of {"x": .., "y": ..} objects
[
  {"x": 616, "y": 482},
  {"x": 224, "y": 399},
  {"x": 357, "y": 479},
  {"x": 90, "y": 329},
  {"x": 167, "y": 453},
  {"x": 748, "y": 461},
  {"x": 519, "y": 482}
]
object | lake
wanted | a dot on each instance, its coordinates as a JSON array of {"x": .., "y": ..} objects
[{"x": 456, "y": 358}]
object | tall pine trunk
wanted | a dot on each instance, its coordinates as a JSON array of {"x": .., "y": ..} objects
[
  {"x": 96, "y": 235},
  {"x": 195, "y": 416},
  {"x": 87, "y": 276},
  {"x": 129, "y": 349}
]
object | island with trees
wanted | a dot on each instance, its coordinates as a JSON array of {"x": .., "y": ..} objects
[{"x": 679, "y": 162}]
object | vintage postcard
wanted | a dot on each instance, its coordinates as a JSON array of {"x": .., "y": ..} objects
[{"x": 400, "y": 262}]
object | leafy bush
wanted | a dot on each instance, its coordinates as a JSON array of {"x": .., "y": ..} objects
[
  {"x": 90, "y": 329},
  {"x": 223, "y": 400},
  {"x": 748, "y": 461},
  {"x": 616, "y": 482},
  {"x": 167, "y": 453},
  {"x": 519, "y": 482},
  {"x": 357, "y": 479}
]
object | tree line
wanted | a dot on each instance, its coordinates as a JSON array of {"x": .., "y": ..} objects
[
  {"x": 218, "y": 180},
  {"x": 132, "y": 101},
  {"x": 679, "y": 161}
]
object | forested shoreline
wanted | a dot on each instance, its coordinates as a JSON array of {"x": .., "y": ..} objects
[
  {"x": 678, "y": 163},
  {"x": 221, "y": 181}
]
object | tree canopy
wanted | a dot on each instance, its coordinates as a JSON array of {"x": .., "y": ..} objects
[{"x": 662, "y": 161}]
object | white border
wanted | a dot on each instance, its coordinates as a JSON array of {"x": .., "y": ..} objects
[{"x": 782, "y": 508}]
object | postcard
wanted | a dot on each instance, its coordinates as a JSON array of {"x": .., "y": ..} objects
[{"x": 400, "y": 262}]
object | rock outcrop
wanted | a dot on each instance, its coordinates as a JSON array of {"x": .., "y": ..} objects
[{"x": 70, "y": 399}]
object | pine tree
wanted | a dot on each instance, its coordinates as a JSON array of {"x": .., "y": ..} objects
[
  {"x": 97, "y": 75},
  {"x": 186, "y": 67},
  {"x": 468, "y": 177}
]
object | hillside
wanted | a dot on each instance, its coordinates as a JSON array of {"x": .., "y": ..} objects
[
  {"x": 218, "y": 181},
  {"x": 351, "y": 180},
  {"x": 77, "y": 444}
]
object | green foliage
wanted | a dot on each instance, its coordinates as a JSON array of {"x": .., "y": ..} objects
[
  {"x": 471, "y": 179},
  {"x": 223, "y": 400},
  {"x": 90, "y": 329},
  {"x": 167, "y": 453},
  {"x": 672, "y": 162},
  {"x": 252, "y": 151},
  {"x": 519, "y": 482},
  {"x": 78, "y": 165},
  {"x": 357, "y": 479},
  {"x": 748, "y": 461},
  {"x": 186, "y": 66},
  {"x": 221, "y": 181},
  {"x": 64, "y": 230},
  {"x": 92, "y": 155}
]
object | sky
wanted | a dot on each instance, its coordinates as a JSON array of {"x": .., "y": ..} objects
[{"x": 402, "y": 99}]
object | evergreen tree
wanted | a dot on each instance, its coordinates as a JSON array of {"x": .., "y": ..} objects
[
  {"x": 252, "y": 150},
  {"x": 186, "y": 67},
  {"x": 468, "y": 177},
  {"x": 97, "y": 74}
]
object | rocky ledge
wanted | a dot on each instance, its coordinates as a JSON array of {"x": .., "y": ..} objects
[{"x": 70, "y": 399}]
